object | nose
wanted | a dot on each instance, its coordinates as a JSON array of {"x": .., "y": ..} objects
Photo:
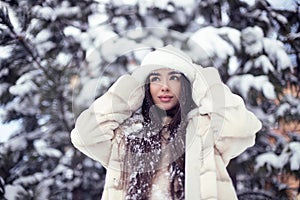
[{"x": 164, "y": 87}]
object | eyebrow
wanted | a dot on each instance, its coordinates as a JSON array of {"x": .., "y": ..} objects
[
  {"x": 154, "y": 74},
  {"x": 174, "y": 72},
  {"x": 158, "y": 74}
]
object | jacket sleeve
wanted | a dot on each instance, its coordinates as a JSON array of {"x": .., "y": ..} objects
[
  {"x": 234, "y": 127},
  {"x": 94, "y": 132}
]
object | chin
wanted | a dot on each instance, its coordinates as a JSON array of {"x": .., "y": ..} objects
[{"x": 165, "y": 108}]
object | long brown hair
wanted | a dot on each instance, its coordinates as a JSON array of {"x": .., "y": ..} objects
[{"x": 143, "y": 150}]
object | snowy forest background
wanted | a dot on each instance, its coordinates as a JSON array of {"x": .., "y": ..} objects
[{"x": 56, "y": 57}]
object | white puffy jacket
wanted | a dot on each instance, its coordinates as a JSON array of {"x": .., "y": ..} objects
[{"x": 219, "y": 129}]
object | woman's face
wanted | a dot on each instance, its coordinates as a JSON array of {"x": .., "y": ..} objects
[{"x": 165, "y": 88}]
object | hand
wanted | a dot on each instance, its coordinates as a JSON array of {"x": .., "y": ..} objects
[
  {"x": 140, "y": 74},
  {"x": 130, "y": 90},
  {"x": 205, "y": 80}
]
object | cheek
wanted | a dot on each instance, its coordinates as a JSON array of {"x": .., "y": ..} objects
[
  {"x": 176, "y": 90},
  {"x": 153, "y": 90}
]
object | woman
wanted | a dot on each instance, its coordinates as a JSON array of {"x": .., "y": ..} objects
[
  {"x": 189, "y": 128},
  {"x": 165, "y": 117}
]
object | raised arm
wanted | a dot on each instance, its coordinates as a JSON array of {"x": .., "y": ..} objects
[
  {"x": 94, "y": 132},
  {"x": 233, "y": 125}
]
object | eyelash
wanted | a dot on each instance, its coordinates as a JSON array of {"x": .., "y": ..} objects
[
  {"x": 176, "y": 78},
  {"x": 154, "y": 79}
]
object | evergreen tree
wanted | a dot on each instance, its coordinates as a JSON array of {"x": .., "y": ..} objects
[
  {"x": 58, "y": 56},
  {"x": 39, "y": 62}
]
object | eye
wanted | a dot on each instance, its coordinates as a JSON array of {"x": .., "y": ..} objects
[
  {"x": 154, "y": 79},
  {"x": 175, "y": 77}
]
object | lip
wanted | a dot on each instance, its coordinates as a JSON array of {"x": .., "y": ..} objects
[{"x": 165, "y": 98}]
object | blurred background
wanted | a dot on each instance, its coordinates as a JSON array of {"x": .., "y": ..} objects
[{"x": 56, "y": 57}]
